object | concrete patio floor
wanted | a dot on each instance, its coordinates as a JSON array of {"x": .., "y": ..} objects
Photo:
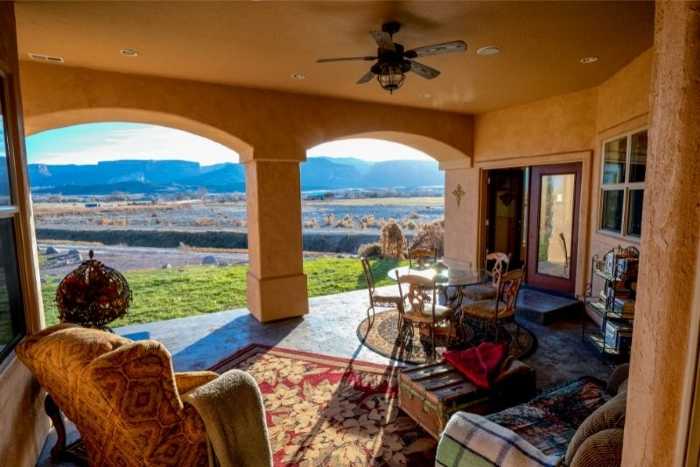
[{"x": 197, "y": 342}]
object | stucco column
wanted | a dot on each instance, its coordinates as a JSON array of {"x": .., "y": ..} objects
[
  {"x": 461, "y": 214},
  {"x": 276, "y": 285},
  {"x": 667, "y": 313}
]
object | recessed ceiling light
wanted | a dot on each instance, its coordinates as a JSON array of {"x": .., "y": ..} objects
[
  {"x": 298, "y": 76},
  {"x": 488, "y": 50},
  {"x": 128, "y": 52},
  {"x": 587, "y": 60},
  {"x": 46, "y": 58}
]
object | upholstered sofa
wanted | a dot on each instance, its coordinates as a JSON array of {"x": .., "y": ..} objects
[
  {"x": 123, "y": 396},
  {"x": 578, "y": 424}
]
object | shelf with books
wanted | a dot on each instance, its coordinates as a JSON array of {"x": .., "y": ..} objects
[{"x": 612, "y": 307}]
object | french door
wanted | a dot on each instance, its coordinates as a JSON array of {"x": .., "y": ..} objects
[{"x": 553, "y": 226}]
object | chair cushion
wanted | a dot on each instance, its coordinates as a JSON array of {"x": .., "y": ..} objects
[
  {"x": 486, "y": 309},
  {"x": 550, "y": 420},
  {"x": 607, "y": 416},
  {"x": 386, "y": 298},
  {"x": 480, "y": 292},
  {"x": 441, "y": 311}
]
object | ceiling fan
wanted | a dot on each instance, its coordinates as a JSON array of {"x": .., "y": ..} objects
[{"x": 393, "y": 61}]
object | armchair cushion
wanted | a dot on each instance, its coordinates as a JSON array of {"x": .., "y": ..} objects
[
  {"x": 603, "y": 449},
  {"x": 472, "y": 440},
  {"x": 121, "y": 395},
  {"x": 609, "y": 416}
]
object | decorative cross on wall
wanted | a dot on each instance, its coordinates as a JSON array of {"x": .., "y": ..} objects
[{"x": 459, "y": 193}]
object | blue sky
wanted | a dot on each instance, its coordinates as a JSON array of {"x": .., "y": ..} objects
[{"x": 94, "y": 142}]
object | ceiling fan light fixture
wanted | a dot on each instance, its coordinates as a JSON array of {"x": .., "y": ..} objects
[{"x": 390, "y": 77}]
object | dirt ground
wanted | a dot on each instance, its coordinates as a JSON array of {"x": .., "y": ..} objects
[{"x": 126, "y": 258}]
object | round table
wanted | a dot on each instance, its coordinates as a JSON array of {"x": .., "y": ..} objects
[
  {"x": 450, "y": 277},
  {"x": 445, "y": 278}
]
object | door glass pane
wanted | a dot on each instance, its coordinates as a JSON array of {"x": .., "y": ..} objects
[
  {"x": 638, "y": 157},
  {"x": 11, "y": 313},
  {"x": 634, "y": 218},
  {"x": 612, "y": 210},
  {"x": 556, "y": 224},
  {"x": 4, "y": 175},
  {"x": 614, "y": 165}
]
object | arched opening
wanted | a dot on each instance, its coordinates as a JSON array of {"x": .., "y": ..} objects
[
  {"x": 164, "y": 206},
  {"x": 354, "y": 188}
]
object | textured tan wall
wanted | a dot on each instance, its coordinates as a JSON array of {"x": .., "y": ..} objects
[
  {"x": 555, "y": 125},
  {"x": 273, "y": 124},
  {"x": 24, "y": 425},
  {"x": 551, "y": 129},
  {"x": 664, "y": 352},
  {"x": 461, "y": 232}
]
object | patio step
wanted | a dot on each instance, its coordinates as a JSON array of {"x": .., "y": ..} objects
[{"x": 545, "y": 308}]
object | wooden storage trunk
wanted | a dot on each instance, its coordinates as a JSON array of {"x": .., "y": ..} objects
[{"x": 431, "y": 393}]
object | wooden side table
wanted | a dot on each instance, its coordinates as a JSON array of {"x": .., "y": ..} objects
[{"x": 431, "y": 393}]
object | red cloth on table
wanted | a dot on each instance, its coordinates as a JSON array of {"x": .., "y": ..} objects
[{"x": 479, "y": 364}]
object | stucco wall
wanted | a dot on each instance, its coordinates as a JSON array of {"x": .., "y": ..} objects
[
  {"x": 550, "y": 130},
  {"x": 259, "y": 124}
]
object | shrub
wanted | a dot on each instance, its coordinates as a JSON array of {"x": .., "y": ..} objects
[
  {"x": 391, "y": 240},
  {"x": 370, "y": 250},
  {"x": 410, "y": 225},
  {"x": 430, "y": 236}
]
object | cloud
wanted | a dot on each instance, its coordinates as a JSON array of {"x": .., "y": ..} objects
[
  {"x": 95, "y": 142},
  {"x": 102, "y": 142},
  {"x": 367, "y": 149}
]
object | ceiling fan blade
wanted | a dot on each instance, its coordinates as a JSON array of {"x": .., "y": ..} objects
[
  {"x": 383, "y": 40},
  {"x": 436, "y": 49},
  {"x": 366, "y": 78},
  {"x": 345, "y": 59},
  {"x": 424, "y": 71}
]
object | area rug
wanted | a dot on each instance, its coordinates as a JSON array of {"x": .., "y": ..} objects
[
  {"x": 381, "y": 334},
  {"x": 326, "y": 411}
]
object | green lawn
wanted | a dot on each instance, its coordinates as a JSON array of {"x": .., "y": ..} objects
[{"x": 173, "y": 293}]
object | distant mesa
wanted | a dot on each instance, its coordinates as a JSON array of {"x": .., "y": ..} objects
[{"x": 173, "y": 176}]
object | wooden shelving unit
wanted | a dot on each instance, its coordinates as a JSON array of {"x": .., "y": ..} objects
[{"x": 612, "y": 308}]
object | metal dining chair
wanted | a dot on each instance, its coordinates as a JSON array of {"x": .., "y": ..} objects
[
  {"x": 422, "y": 310},
  {"x": 500, "y": 310},
  {"x": 421, "y": 257},
  {"x": 489, "y": 290},
  {"x": 379, "y": 300}
]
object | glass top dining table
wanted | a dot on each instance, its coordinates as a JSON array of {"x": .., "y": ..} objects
[{"x": 443, "y": 277}]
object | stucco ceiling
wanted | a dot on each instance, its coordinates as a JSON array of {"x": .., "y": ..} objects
[{"x": 262, "y": 44}]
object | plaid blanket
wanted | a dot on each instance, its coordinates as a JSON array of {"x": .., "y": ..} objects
[{"x": 471, "y": 440}]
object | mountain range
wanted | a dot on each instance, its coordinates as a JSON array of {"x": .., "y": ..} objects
[{"x": 162, "y": 176}]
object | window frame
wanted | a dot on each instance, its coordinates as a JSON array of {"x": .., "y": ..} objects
[
  {"x": 626, "y": 186},
  {"x": 11, "y": 211}
]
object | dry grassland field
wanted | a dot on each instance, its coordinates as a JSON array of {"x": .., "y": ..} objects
[{"x": 363, "y": 215}]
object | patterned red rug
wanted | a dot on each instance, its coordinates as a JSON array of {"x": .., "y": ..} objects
[{"x": 326, "y": 411}]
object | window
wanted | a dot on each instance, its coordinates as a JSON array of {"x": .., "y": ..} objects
[
  {"x": 622, "y": 184},
  {"x": 12, "y": 323}
]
